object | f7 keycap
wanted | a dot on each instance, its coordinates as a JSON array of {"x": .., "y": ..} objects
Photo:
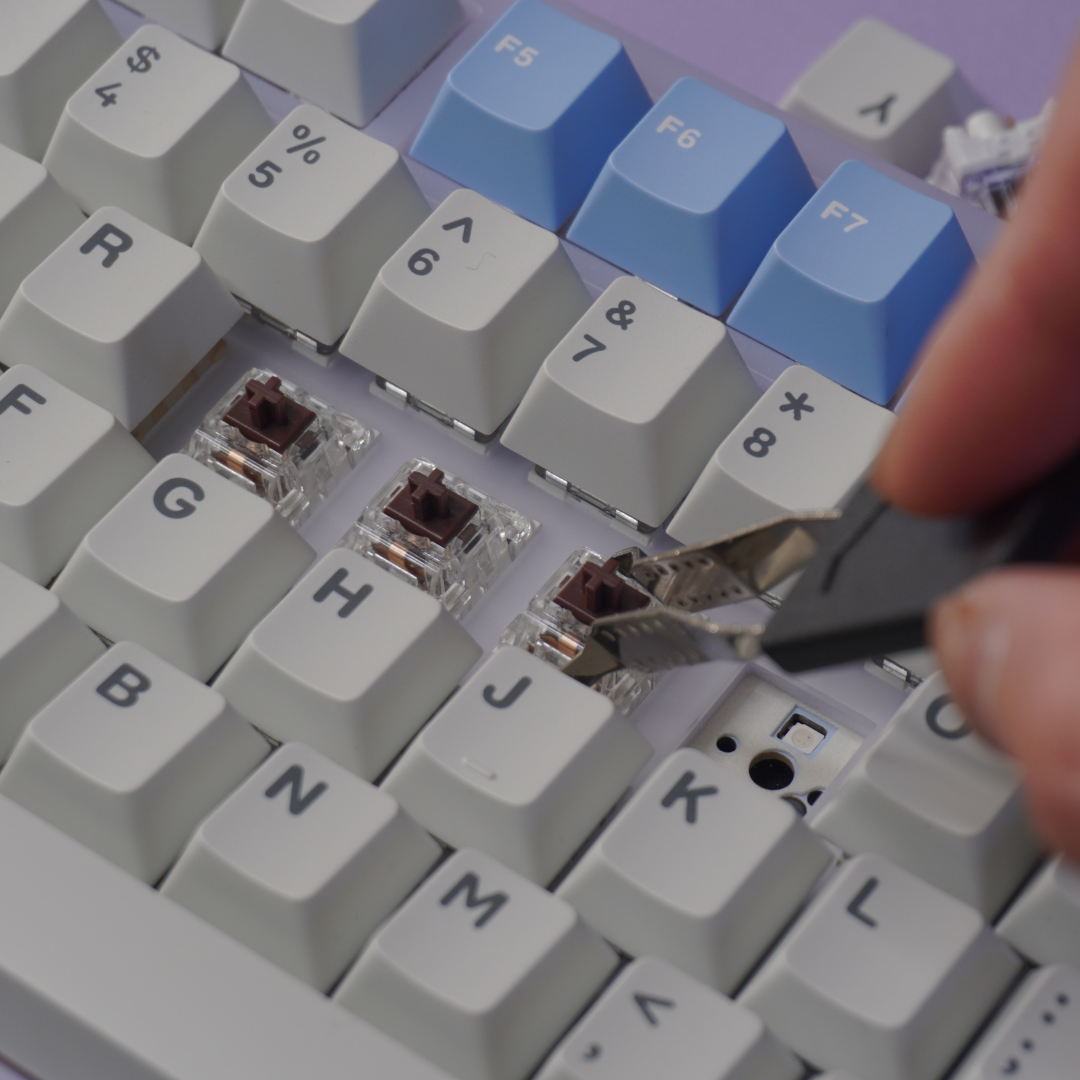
[
  {"x": 692, "y": 198},
  {"x": 853, "y": 284},
  {"x": 302, "y": 226},
  {"x": 528, "y": 116},
  {"x": 121, "y": 314},
  {"x": 156, "y": 130}
]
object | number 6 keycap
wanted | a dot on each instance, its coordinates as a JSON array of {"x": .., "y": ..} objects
[{"x": 853, "y": 284}]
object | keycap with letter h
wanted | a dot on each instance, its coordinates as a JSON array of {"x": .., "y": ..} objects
[{"x": 853, "y": 284}]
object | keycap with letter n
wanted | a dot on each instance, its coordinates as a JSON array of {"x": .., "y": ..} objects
[
  {"x": 853, "y": 284},
  {"x": 692, "y": 198},
  {"x": 530, "y": 113}
]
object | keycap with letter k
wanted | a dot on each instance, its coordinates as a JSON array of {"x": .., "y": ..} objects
[{"x": 853, "y": 284}]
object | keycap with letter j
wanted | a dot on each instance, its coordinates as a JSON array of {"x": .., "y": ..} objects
[
  {"x": 692, "y": 198},
  {"x": 529, "y": 115},
  {"x": 853, "y": 284}
]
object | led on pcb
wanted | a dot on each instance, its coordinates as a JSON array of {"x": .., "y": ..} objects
[
  {"x": 280, "y": 443},
  {"x": 557, "y": 621},
  {"x": 434, "y": 530}
]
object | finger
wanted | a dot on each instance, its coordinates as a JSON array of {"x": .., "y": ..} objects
[
  {"x": 996, "y": 400},
  {"x": 1009, "y": 646}
]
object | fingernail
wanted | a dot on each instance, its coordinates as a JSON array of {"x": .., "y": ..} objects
[{"x": 972, "y": 646}]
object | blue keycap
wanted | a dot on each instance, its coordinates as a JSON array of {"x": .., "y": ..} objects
[
  {"x": 692, "y": 198},
  {"x": 853, "y": 284},
  {"x": 529, "y": 115}
]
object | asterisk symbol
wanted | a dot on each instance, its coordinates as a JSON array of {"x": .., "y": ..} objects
[{"x": 796, "y": 405}]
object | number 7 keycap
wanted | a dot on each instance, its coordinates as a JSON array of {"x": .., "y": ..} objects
[{"x": 853, "y": 284}]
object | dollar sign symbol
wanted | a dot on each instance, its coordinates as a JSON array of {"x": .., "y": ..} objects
[{"x": 144, "y": 53}]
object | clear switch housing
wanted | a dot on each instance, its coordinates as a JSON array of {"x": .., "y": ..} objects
[
  {"x": 280, "y": 443},
  {"x": 439, "y": 533},
  {"x": 557, "y": 621}
]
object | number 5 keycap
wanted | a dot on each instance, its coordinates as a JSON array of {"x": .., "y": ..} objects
[{"x": 853, "y": 284}]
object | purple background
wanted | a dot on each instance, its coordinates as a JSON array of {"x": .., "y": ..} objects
[{"x": 1012, "y": 51}]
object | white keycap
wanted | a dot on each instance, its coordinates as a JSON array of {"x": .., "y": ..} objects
[
  {"x": 804, "y": 445},
  {"x": 1043, "y": 922},
  {"x": 206, "y": 22},
  {"x": 46, "y": 51},
  {"x": 66, "y": 463},
  {"x": 932, "y": 797},
  {"x": 119, "y": 313},
  {"x": 348, "y": 56},
  {"x": 156, "y": 129},
  {"x": 352, "y": 663},
  {"x": 35, "y": 216},
  {"x": 701, "y": 868},
  {"x": 631, "y": 403},
  {"x": 523, "y": 763},
  {"x": 883, "y": 975},
  {"x": 302, "y": 863},
  {"x": 303, "y": 224},
  {"x": 184, "y": 564},
  {"x": 654, "y": 1022},
  {"x": 124, "y": 983},
  {"x": 883, "y": 91},
  {"x": 130, "y": 757},
  {"x": 480, "y": 971},
  {"x": 1037, "y": 1035},
  {"x": 464, "y": 313},
  {"x": 42, "y": 648}
]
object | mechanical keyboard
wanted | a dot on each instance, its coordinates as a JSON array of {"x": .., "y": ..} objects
[{"x": 437, "y": 856}]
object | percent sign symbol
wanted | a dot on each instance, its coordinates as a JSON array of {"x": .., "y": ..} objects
[{"x": 302, "y": 132}]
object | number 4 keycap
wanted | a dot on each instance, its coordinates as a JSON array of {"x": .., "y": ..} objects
[{"x": 853, "y": 284}]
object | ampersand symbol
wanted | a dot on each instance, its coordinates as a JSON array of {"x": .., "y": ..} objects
[{"x": 620, "y": 316}]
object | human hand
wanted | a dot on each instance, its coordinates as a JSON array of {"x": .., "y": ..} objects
[{"x": 995, "y": 406}]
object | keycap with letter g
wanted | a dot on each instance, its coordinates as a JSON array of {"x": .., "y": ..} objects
[{"x": 853, "y": 284}]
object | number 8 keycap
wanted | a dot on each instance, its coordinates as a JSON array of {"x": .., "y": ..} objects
[{"x": 853, "y": 284}]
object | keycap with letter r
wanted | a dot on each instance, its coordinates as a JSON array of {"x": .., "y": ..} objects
[
  {"x": 529, "y": 114},
  {"x": 853, "y": 284},
  {"x": 692, "y": 198}
]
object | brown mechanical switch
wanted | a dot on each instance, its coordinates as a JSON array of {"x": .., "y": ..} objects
[
  {"x": 427, "y": 507},
  {"x": 264, "y": 414},
  {"x": 595, "y": 591}
]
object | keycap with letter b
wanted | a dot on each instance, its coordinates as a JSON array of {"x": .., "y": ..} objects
[{"x": 853, "y": 284}]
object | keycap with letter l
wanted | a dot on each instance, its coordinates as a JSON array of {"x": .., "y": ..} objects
[
  {"x": 347, "y": 56},
  {"x": 184, "y": 564},
  {"x": 302, "y": 226},
  {"x": 630, "y": 404},
  {"x": 46, "y": 51},
  {"x": 529, "y": 114},
  {"x": 121, "y": 314},
  {"x": 692, "y": 198},
  {"x": 654, "y": 1021},
  {"x": 804, "y": 445},
  {"x": 130, "y": 757},
  {"x": 156, "y": 130},
  {"x": 853, "y": 284},
  {"x": 351, "y": 662},
  {"x": 882, "y": 975}
]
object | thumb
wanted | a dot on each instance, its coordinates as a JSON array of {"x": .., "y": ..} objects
[{"x": 1009, "y": 646}]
